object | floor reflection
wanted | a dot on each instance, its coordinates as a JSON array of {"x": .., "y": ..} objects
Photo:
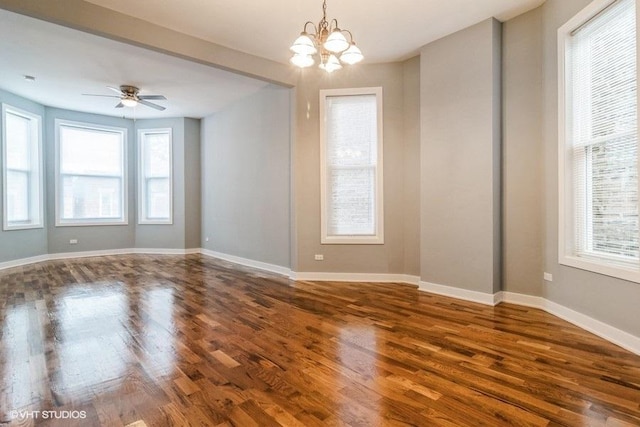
[
  {"x": 159, "y": 332},
  {"x": 91, "y": 326},
  {"x": 22, "y": 359},
  {"x": 357, "y": 352}
]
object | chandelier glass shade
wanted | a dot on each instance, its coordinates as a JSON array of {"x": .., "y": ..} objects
[{"x": 327, "y": 43}]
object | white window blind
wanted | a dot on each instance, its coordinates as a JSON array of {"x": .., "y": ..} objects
[
  {"x": 155, "y": 186},
  {"x": 22, "y": 169},
  {"x": 352, "y": 193},
  {"x": 604, "y": 134},
  {"x": 91, "y": 182}
]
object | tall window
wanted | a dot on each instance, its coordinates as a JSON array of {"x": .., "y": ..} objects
[
  {"x": 351, "y": 166},
  {"x": 91, "y": 174},
  {"x": 599, "y": 140},
  {"x": 154, "y": 176},
  {"x": 22, "y": 169}
]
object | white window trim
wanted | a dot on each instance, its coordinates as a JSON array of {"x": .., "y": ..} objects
[
  {"x": 141, "y": 187},
  {"x": 40, "y": 198},
  {"x": 125, "y": 192},
  {"x": 565, "y": 211},
  {"x": 378, "y": 238}
]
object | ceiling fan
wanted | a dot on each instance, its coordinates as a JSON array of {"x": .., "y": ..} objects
[{"x": 129, "y": 97}]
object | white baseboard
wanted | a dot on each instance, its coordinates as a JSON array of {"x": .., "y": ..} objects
[
  {"x": 356, "y": 277},
  {"x": 86, "y": 254},
  {"x": 603, "y": 330},
  {"x": 521, "y": 299},
  {"x": 278, "y": 269},
  {"x": 23, "y": 261},
  {"x": 464, "y": 294}
]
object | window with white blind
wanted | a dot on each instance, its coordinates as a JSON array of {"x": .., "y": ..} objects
[
  {"x": 22, "y": 169},
  {"x": 351, "y": 166},
  {"x": 598, "y": 228},
  {"x": 154, "y": 176},
  {"x": 91, "y": 174}
]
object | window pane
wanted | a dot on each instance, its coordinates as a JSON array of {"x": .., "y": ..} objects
[
  {"x": 158, "y": 198},
  {"x": 614, "y": 201},
  {"x": 351, "y": 202},
  {"x": 157, "y": 155},
  {"x": 90, "y": 151},
  {"x": 351, "y": 157},
  {"x": 18, "y": 141},
  {"x": 352, "y": 130},
  {"x": 91, "y": 197},
  {"x": 603, "y": 133},
  {"x": 21, "y": 169},
  {"x": 155, "y": 176},
  {"x": 17, "y": 196}
]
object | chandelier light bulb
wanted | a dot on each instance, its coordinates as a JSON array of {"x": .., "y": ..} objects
[
  {"x": 336, "y": 42},
  {"x": 351, "y": 56},
  {"x": 304, "y": 45},
  {"x": 302, "y": 61},
  {"x": 332, "y": 64}
]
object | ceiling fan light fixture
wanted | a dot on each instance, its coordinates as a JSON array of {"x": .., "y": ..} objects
[{"x": 129, "y": 102}]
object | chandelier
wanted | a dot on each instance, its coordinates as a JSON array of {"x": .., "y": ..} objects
[{"x": 328, "y": 43}]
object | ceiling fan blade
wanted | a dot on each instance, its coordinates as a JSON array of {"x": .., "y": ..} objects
[
  {"x": 115, "y": 89},
  {"x": 151, "y": 104},
  {"x": 120, "y": 105},
  {"x": 151, "y": 97},
  {"x": 93, "y": 94}
]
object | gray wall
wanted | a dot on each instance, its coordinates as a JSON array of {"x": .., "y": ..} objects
[
  {"x": 246, "y": 178},
  {"x": 411, "y": 166},
  {"x": 522, "y": 154},
  {"x": 16, "y": 244},
  {"x": 609, "y": 300},
  {"x": 460, "y": 159},
  {"x": 192, "y": 184},
  {"x": 386, "y": 258}
]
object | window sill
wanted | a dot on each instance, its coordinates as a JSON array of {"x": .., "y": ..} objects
[
  {"x": 607, "y": 269},
  {"x": 21, "y": 227},
  {"x": 90, "y": 223},
  {"x": 352, "y": 240}
]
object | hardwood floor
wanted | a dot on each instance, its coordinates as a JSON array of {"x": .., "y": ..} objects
[{"x": 189, "y": 340}]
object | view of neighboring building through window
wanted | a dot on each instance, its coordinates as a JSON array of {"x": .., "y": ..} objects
[
  {"x": 91, "y": 174},
  {"x": 599, "y": 140},
  {"x": 154, "y": 176},
  {"x": 351, "y": 138},
  {"x": 22, "y": 166}
]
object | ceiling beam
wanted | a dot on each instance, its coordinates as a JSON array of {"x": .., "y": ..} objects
[{"x": 94, "y": 19}]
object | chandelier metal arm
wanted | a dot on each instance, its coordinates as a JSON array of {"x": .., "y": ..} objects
[
  {"x": 315, "y": 29},
  {"x": 350, "y": 35}
]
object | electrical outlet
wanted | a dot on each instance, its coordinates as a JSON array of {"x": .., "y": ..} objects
[
  {"x": 73, "y": 241},
  {"x": 206, "y": 239},
  {"x": 319, "y": 257},
  {"x": 548, "y": 277}
]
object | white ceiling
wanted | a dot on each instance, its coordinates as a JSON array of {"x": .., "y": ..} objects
[
  {"x": 385, "y": 30},
  {"x": 68, "y": 63}
]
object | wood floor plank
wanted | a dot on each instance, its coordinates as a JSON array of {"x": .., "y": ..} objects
[{"x": 154, "y": 340}]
